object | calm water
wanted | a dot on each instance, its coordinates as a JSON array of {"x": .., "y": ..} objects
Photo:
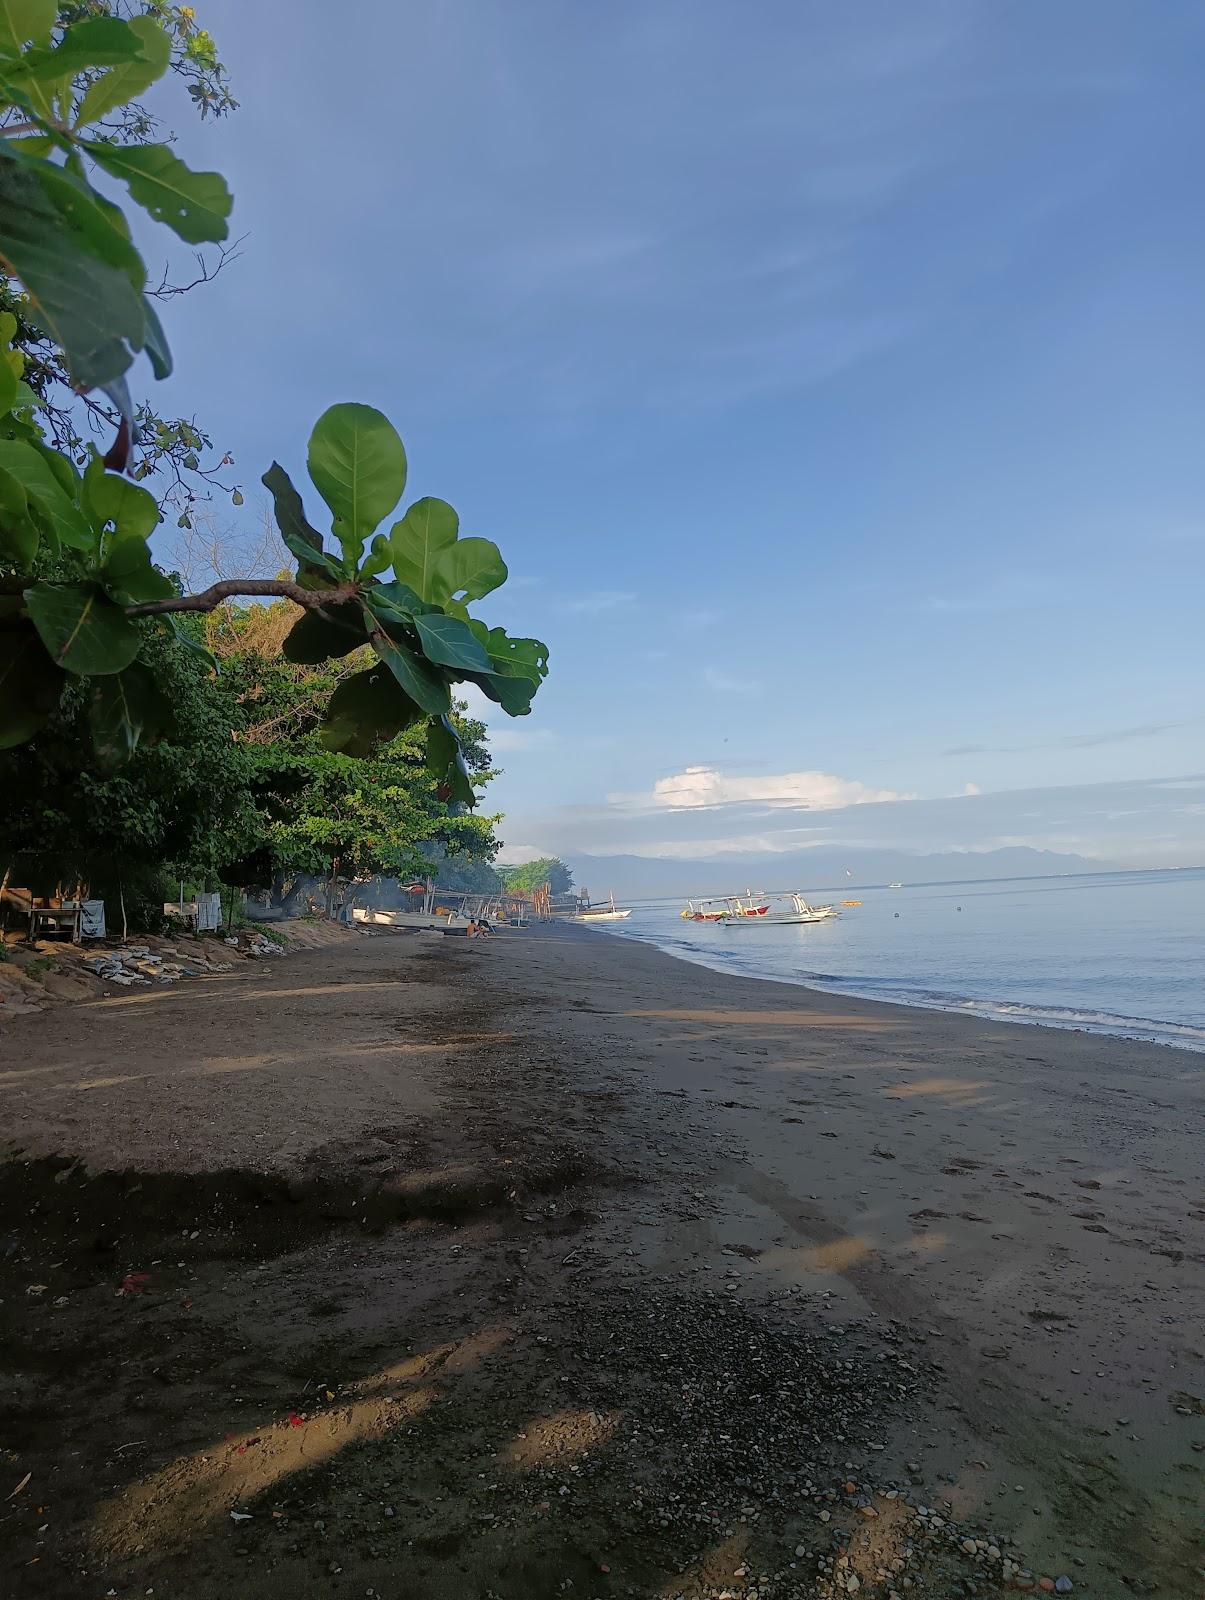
[{"x": 1120, "y": 953}]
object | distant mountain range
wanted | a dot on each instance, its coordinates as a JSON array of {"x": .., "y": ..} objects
[{"x": 650, "y": 877}]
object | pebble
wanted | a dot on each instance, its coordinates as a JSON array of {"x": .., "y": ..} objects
[{"x": 1063, "y": 1585}]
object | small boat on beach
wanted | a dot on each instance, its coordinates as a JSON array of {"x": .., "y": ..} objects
[
  {"x": 723, "y": 906},
  {"x": 606, "y": 911},
  {"x": 796, "y": 910}
]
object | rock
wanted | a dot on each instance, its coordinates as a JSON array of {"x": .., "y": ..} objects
[
  {"x": 970, "y": 1547},
  {"x": 1063, "y": 1585},
  {"x": 1046, "y": 1585}
]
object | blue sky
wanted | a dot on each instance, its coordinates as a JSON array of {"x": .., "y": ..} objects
[{"x": 831, "y": 378}]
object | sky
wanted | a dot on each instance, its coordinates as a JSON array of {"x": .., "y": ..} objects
[{"x": 830, "y": 378}]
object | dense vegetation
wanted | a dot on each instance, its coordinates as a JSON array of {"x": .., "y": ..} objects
[
  {"x": 323, "y": 735},
  {"x": 533, "y": 875}
]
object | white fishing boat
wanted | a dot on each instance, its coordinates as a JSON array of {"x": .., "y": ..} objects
[
  {"x": 605, "y": 911},
  {"x": 895, "y": 886},
  {"x": 796, "y": 909},
  {"x": 727, "y": 905}
]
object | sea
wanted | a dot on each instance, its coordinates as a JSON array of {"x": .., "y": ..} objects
[{"x": 1111, "y": 952}]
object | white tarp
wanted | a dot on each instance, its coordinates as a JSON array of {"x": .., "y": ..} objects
[{"x": 209, "y": 912}]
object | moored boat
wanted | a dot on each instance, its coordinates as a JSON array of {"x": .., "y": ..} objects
[
  {"x": 722, "y": 906},
  {"x": 796, "y": 910},
  {"x": 606, "y": 911}
]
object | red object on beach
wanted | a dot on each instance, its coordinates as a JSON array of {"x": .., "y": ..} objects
[
  {"x": 134, "y": 1282},
  {"x": 294, "y": 1420}
]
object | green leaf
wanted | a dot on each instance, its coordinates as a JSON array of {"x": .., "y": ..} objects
[
  {"x": 422, "y": 682},
  {"x": 112, "y": 498},
  {"x": 156, "y": 347},
  {"x": 194, "y": 205},
  {"x": 445, "y": 761},
  {"x": 83, "y": 276},
  {"x": 45, "y": 493},
  {"x": 365, "y": 710},
  {"x": 84, "y": 632},
  {"x": 358, "y": 465},
  {"x": 397, "y": 600},
  {"x": 130, "y": 577},
  {"x": 23, "y": 21},
  {"x": 450, "y": 643},
  {"x": 513, "y": 692},
  {"x": 179, "y": 628},
  {"x": 8, "y": 387},
  {"x": 126, "y": 709},
  {"x": 95, "y": 42},
  {"x": 519, "y": 657},
  {"x": 30, "y": 684},
  {"x": 467, "y": 570},
  {"x": 124, "y": 83},
  {"x": 318, "y": 635},
  {"x": 428, "y": 527},
  {"x": 19, "y": 535},
  {"x": 304, "y": 541}
]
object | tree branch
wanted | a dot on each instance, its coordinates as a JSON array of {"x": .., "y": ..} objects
[{"x": 278, "y": 588}]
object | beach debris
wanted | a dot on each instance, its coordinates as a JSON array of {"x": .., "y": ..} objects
[
  {"x": 241, "y": 1516},
  {"x": 134, "y": 1282},
  {"x": 23, "y": 1484}
]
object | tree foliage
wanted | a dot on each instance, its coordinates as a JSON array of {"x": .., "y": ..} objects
[
  {"x": 532, "y": 875},
  {"x": 175, "y": 454},
  {"x": 401, "y": 592}
]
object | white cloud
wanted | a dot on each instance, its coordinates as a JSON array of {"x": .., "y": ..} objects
[
  {"x": 515, "y": 855},
  {"x": 971, "y": 788},
  {"x": 699, "y": 787}
]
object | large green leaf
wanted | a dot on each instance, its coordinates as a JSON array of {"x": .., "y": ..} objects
[
  {"x": 83, "y": 276},
  {"x": 19, "y": 535},
  {"x": 155, "y": 342},
  {"x": 24, "y": 22},
  {"x": 304, "y": 541},
  {"x": 365, "y": 710},
  {"x": 179, "y": 628},
  {"x": 125, "y": 710},
  {"x": 428, "y": 527},
  {"x": 83, "y": 630},
  {"x": 450, "y": 643},
  {"x": 358, "y": 465},
  {"x": 121, "y": 84},
  {"x": 519, "y": 657},
  {"x": 30, "y": 686},
  {"x": 194, "y": 205},
  {"x": 46, "y": 493},
  {"x": 318, "y": 635},
  {"x": 445, "y": 760},
  {"x": 467, "y": 570},
  {"x": 512, "y": 691},
  {"x": 131, "y": 577},
  {"x": 425, "y": 685},
  {"x": 95, "y": 42},
  {"x": 112, "y": 498}
]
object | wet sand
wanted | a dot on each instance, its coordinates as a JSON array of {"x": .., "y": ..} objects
[{"x": 1020, "y": 1206}]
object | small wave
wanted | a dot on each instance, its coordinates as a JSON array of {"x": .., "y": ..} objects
[{"x": 1150, "y": 1030}]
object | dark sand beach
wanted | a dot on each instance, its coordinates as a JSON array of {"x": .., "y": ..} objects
[{"x": 552, "y": 1265}]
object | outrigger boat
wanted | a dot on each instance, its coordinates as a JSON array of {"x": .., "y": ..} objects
[
  {"x": 799, "y": 911},
  {"x": 725, "y": 906},
  {"x": 607, "y": 911}
]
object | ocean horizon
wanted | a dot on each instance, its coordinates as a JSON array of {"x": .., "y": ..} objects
[{"x": 1115, "y": 953}]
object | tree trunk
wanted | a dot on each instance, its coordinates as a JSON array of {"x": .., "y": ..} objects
[{"x": 332, "y": 887}]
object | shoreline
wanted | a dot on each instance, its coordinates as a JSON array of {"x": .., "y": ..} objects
[
  {"x": 973, "y": 1009},
  {"x": 409, "y": 1169}
]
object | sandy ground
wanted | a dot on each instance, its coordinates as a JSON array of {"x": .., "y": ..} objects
[{"x": 552, "y": 1265}]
